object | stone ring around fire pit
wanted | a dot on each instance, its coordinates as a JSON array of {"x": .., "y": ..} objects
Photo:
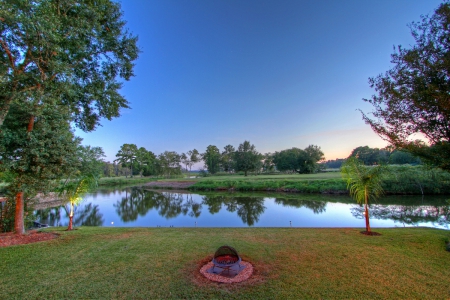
[{"x": 227, "y": 266}]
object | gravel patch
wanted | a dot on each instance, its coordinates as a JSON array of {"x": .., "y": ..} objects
[{"x": 242, "y": 276}]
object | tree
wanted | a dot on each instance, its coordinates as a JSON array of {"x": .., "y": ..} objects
[
  {"x": 399, "y": 157},
  {"x": 91, "y": 161},
  {"x": 143, "y": 159},
  {"x": 126, "y": 155},
  {"x": 185, "y": 159},
  {"x": 212, "y": 159},
  {"x": 364, "y": 184},
  {"x": 74, "y": 49},
  {"x": 170, "y": 163},
  {"x": 74, "y": 190},
  {"x": 227, "y": 160},
  {"x": 61, "y": 54},
  {"x": 412, "y": 97},
  {"x": 194, "y": 157},
  {"x": 247, "y": 158},
  {"x": 35, "y": 159},
  {"x": 370, "y": 156},
  {"x": 299, "y": 161},
  {"x": 313, "y": 156}
]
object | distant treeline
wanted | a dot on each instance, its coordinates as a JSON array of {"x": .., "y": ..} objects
[
  {"x": 375, "y": 156},
  {"x": 132, "y": 161}
]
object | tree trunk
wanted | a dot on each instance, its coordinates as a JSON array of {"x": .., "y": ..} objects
[
  {"x": 366, "y": 210},
  {"x": 245, "y": 172},
  {"x": 71, "y": 216},
  {"x": 18, "y": 218}
]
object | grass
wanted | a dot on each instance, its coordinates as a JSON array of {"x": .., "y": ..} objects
[
  {"x": 277, "y": 177},
  {"x": 122, "y": 180},
  {"x": 290, "y": 263}
]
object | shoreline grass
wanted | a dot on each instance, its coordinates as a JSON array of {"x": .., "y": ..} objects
[{"x": 290, "y": 263}]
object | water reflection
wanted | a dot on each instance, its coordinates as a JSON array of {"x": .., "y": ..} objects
[
  {"x": 137, "y": 202},
  {"x": 317, "y": 207},
  {"x": 84, "y": 215},
  {"x": 407, "y": 215},
  {"x": 140, "y": 207}
]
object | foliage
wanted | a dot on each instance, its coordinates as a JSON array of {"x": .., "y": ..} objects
[
  {"x": 364, "y": 183},
  {"x": 401, "y": 157},
  {"x": 74, "y": 190},
  {"x": 412, "y": 97},
  {"x": 91, "y": 161},
  {"x": 298, "y": 160},
  {"x": 35, "y": 159},
  {"x": 334, "y": 163},
  {"x": 370, "y": 156},
  {"x": 75, "y": 50},
  {"x": 247, "y": 158},
  {"x": 211, "y": 157},
  {"x": 169, "y": 163},
  {"x": 126, "y": 156},
  {"x": 227, "y": 158}
]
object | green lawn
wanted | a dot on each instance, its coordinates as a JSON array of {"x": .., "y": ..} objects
[
  {"x": 317, "y": 176},
  {"x": 122, "y": 180},
  {"x": 290, "y": 263}
]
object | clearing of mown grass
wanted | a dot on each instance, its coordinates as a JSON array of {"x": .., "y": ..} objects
[{"x": 290, "y": 263}]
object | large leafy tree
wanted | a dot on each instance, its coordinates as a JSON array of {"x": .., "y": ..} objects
[
  {"x": 227, "y": 158},
  {"x": 36, "y": 159},
  {"x": 370, "y": 156},
  {"x": 91, "y": 160},
  {"x": 170, "y": 163},
  {"x": 364, "y": 183},
  {"x": 127, "y": 155},
  {"x": 76, "y": 49},
  {"x": 57, "y": 54},
  {"x": 413, "y": 97},
  {"x": 211, "y": 157},
  {"x": 247, "y": 158},
  {"x": 297, "y": 160}
]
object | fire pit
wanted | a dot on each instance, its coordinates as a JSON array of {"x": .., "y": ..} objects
[{"x": 226, "y": 262}]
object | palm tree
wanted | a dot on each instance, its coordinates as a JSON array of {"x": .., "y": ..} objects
[
  {"x": 74, "y": 190},
  {"x": 364, "y": 183}
]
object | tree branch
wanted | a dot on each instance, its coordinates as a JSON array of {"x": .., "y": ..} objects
[{"x": 8, "y": 52}]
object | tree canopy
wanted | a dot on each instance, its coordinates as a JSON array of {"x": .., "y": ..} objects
[
  {"x": 247, "y": 158},
  {"x": 297, "y": 160},
  {"x": 413, "y": 96},
  {"x": 211, "y": 157},
  {"x": 74, "y": 49}
]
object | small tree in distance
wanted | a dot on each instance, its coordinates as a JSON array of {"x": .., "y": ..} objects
[{"x": 364, "y": 184}]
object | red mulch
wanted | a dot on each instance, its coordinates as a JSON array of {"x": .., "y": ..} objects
[{"x": 32, "y": 236}]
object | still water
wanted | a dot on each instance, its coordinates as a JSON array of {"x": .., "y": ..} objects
[{"x": 138, "y": 207}]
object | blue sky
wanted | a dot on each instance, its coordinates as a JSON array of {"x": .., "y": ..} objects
[{"x": 280, "y": 74}]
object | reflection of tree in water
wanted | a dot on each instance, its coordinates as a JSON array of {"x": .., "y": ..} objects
[
  {"x": 50, "y": 216},
  {"x": 407, "y": 214},
  {"x": 87, "y": 215},
  {"x": 248, "y": 208},
  {"x": 138, "y": 202},
  {"x": 170, "y": 205},
  {"x": 317, "y": 207}
]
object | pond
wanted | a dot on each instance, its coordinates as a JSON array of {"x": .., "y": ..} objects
[{"x": 138, "y": 207}]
